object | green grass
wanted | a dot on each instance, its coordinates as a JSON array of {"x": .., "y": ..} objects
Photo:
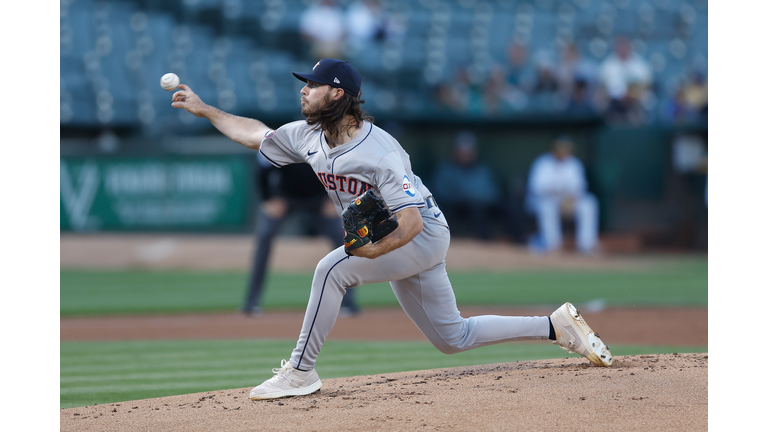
[
  {"x": 674, "y": 282},
  {"x": 106, "y": 372},
  {"x": 103, "y": 372}
]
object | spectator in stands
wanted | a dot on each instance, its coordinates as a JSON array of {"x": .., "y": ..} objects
[
  {"x": 496, "y": 91},
  {"x": 322, "y": 26},
  {"x": 465, "y": 189},
  {"x": 675, "y": 109},
  {"x": 625, "y": 79},
  {"x": 695, "y": 92},
  {"x": 580, "y": 98},
  {"x": 689, "y": 102},
  {"x": 506, "y": 85},
  {"x": 284, "y": 192},
  {"x": 451, "y": 93},
  {"x": 462, "y": 93},
  {"x": 366, "y": 23},
  {"x": 519, "y": 80},
  {"x": 520, "y": 73},
  {"x": 546, "y": 79},
  {"x": 557, "y": 189},
  {"x": 576, "y": 79},
  {"x": 446, "y": 97}
]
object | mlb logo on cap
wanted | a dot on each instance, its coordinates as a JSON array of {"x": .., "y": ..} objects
[{"x": 335, "y": 73}]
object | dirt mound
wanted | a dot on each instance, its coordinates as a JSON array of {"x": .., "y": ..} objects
[{"x": 647, "y": 392}]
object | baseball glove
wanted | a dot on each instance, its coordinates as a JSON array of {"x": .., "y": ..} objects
[{"x": 366, "y": 220}]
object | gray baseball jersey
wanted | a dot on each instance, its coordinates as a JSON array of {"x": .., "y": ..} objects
[
  {"x": 416, "y": 272},
  {"x": 372, "y": 160}
]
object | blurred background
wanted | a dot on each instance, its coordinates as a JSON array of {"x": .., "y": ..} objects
[{"x": 625, "y": 81}]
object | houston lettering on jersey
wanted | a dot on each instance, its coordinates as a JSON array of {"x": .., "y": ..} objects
[{"x": 342, "y": 183}]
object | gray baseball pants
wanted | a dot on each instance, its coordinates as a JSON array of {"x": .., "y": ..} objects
[{"x": 420, "y": 282}]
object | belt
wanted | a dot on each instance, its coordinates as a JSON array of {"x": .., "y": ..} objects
[{"x": 431, "y": 202}]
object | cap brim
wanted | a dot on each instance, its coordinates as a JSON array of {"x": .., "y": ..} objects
[{"x": 308, "y": 77}]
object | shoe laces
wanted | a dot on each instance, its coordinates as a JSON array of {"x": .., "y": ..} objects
[{"x": 285, "y": 367}]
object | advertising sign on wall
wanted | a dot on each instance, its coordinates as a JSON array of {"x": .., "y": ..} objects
[{"x": 190, "y": 193}]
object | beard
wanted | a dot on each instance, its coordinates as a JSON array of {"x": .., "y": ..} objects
[{"x": 313, "y": 109}]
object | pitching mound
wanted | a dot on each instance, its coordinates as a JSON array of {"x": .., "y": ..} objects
[{"x": 646, "y": 392}]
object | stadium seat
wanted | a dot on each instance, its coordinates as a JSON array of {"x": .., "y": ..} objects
[{"x": 143, "y": 40}]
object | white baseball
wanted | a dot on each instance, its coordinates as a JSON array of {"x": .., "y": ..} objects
[{"x": 169, "y": 81}]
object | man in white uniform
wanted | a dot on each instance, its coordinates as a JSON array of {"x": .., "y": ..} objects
[
  {"x": 557, "y": 189},
  {"x": 350, "y": 156}
]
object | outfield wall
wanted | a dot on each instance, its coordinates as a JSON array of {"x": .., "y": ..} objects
[{"x": 648, "y": 181}]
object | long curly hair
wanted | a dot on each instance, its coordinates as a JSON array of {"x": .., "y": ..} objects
[{"x": 329, "y": 117}]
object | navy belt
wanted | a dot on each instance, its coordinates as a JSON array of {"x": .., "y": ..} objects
[{"x": 431, "y": 202}]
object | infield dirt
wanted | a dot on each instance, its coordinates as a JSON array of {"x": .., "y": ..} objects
[
  {"x": 651, "y": 392},
  {"x": 648, "y": 392}
]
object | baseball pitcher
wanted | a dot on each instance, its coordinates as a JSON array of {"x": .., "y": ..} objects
[{"x": 395, "y": 230}]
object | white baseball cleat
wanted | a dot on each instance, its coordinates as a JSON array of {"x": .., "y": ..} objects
[
  {"x": 574, "y": 335},
  {"x": 288, "y": 381}
]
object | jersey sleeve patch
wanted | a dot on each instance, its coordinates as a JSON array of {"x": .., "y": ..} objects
[{"x": 408, "y": 187}]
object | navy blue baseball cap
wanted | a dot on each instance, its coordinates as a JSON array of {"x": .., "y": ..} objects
[{"x": 335, "y": 73}]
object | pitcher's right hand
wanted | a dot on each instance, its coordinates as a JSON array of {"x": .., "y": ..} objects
[{"x": 188, "y": 100}]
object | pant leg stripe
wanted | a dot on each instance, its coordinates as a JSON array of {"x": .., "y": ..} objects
[{"x": 309, "y": 335}]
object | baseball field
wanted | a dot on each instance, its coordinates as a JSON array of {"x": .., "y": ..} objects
[{"x": 150, "y": 340}]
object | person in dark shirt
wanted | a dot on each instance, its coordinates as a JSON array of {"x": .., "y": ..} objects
[
  {"x": 466, "y": 189},
  {"x": 286, "y": 191}
]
